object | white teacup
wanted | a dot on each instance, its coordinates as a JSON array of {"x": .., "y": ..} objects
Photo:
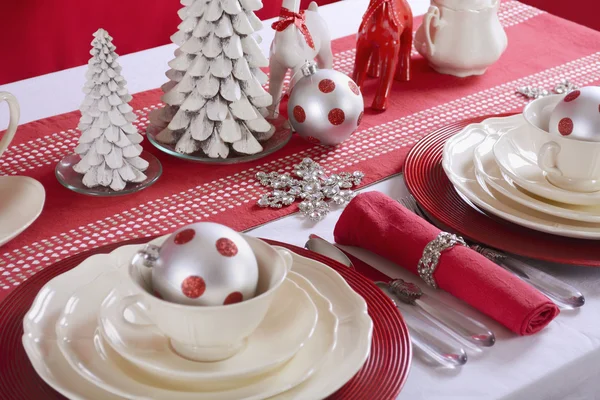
[
  {"x": 538, "y": 112},
  {"x": 14, "y": 114},
  {"x": 569, "y": 164},
  {"x": 203, "y": 333}
]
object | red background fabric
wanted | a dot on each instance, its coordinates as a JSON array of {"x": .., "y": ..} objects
[
  {"x": 584, "y": 12},
  {"x": 40, "y": 36}
]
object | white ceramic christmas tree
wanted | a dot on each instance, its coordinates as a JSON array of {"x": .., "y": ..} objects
[
  {"x": 109, "y": 145},
  {"x": 215, "y": 101}
]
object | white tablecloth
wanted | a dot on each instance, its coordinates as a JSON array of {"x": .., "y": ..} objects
[{"x": 561, "y": 362}]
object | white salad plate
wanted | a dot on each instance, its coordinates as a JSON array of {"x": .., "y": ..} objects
[
  {"x": 21, "y": 203},
  {"x": 287, "y": 327},
  {"x": 517, "y": 156},
  {"x": 488, "y": 170},
  {"x": 335, "y": 367},
  {"x": 86, "y": 351},
  {"x": 459, "y": 166}
]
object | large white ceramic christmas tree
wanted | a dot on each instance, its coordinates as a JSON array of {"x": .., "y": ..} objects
[
  {"x": 215, "y": 101},
  {"x": 109, "y": 145}
]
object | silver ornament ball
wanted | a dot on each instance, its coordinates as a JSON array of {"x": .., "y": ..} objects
[
  {"x": 325, "y": 106},
  {"x": 577, "y": 115},
  {"x": 203, "y": 264}
]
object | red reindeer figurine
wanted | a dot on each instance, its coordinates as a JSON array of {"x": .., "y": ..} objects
[{"x": 384, "y": 46}]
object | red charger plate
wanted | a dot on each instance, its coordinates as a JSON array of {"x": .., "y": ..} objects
[
  {"x": 428, "y": 183},
  {"x": 382, "y": 376}
]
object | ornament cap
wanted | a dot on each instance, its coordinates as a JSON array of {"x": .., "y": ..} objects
[
  {"x": 309, "y": 68},
  {"x": 147, "y": 257}
]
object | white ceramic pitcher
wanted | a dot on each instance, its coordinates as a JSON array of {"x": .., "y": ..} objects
[
  {"x": 461, "y": 37},
  {"x": 14, "y": 114}
]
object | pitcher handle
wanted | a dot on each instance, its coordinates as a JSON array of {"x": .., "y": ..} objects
[
  {"x": 14, "y": 114},
  {"x": 432, "y": 18}
]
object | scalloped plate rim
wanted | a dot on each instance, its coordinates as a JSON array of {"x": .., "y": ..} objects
[{"x": 363, "y": 321}]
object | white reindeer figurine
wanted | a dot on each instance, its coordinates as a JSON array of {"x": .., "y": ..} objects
[{"x": 300, "y": 36}]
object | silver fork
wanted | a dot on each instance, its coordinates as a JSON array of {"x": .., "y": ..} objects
[{"x": 563, "y": 294}]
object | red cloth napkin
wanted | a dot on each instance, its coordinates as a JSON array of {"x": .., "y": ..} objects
[{"x": 377, "y": 223}]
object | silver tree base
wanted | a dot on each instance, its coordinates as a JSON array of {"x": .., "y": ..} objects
[
  {"x": 74, "y": 181},
  {"x": 280, "y": 138}
]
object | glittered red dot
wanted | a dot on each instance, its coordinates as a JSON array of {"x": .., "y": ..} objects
[
  {"x": 235, "y": 297},
  {"x": 226, "y": 247},
  {"x": 572, "y": 96},
  {"x": 193, "y": 287},
  {"x": 313, "y": 140},
  {"x": 565, "y": 126},
  {"x": 336, "y": 116},
  {"x": 354, "y": 87},
  {"x": 184, "y": 236},
  {"x": 156, "y": 294},
  {"x": 327, "y": 86},
  {"x": 360, "y": 117},
  {"x": 299, "y": 114}
]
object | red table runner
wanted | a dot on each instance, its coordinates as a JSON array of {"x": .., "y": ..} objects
[{"x": 542, "y": 50}]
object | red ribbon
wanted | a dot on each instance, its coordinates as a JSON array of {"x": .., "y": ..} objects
[
  {"x": 287, "y": 18},
  {"x": 374, "y": 6}
]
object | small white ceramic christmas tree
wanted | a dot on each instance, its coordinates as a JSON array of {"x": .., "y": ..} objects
[
  {"x": 215, "y": 101},
  {"x": 109, "y": 143}
]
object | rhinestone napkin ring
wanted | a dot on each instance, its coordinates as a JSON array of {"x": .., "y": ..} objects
[
  {"x": 312, "y": 186},
  {"x": 432, "y": 253}
]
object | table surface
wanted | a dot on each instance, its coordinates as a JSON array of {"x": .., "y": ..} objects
[{"x": 558, "y": 363}]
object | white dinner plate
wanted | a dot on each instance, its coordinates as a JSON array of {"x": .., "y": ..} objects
[
  {"x": 351, "y": 351},
  {"x": 21, "y": 202},
  {"x": 459, "y": 167},
  {"x": 488, "y": 170},
  {"x": 288, "y": 325},
  {"x": 86, "y": 351},
  {"x": 517, "y": 153}
]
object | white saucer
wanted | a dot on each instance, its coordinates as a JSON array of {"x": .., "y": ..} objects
[
  {"x": 488, "y": 170},
  {"x": 289, "y": 324},
  {"x": 40, "y": 343},
  {"x": 21, "y": 202},
  {"x": 88, "y": 354},
  {"x": 516, "y": 155},
  {"x": 459, "y": 167}
]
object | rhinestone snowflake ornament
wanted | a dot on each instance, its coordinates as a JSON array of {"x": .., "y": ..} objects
[
  {"x": 315, "y": 188},
  {"x": 531, "y": 92}
]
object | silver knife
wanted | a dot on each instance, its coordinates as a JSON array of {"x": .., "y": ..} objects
[
  {"x": 438, "y": 345},
  {"x": 466, "y": 329}
]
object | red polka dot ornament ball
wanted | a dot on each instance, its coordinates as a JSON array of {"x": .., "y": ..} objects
[
  {"x": 577, "y": 116},
  {"x": 205, "y": 264},
  {"x": 325, "y": 106}
]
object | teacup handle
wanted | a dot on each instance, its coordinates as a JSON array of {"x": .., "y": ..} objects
[
  {"x": 432, "y": 19},
  {"x": 117, "y": 329},
  {"x": 287, "y": 257},
  {"x": 115, "y": 313},
  {"x": 547, "y": 158},
  {"x": 14, "y": 114}
]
